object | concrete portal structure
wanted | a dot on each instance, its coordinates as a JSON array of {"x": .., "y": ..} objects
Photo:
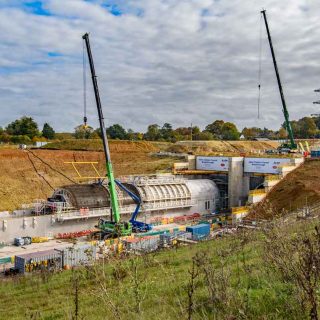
[{"x": 242, "y": 175}]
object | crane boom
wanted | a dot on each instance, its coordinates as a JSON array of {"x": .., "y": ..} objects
[
  {"x": 284, "y": 106},
  {"x": 112, "y": 185}
]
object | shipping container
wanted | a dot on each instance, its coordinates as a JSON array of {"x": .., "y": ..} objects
[
  {"x": 199, "y": 231},
  {"x": 5, "y": 260},
  {"x": 78, "y": 255},
  {"x": 41, "y": 260},
  {"x": 315, "y": 153},
  {"x": 144, "y": 244}
]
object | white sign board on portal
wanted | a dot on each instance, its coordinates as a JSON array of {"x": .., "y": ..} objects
[
  {"x": 264, "y": 165},
  {"x": 212, "y": 163}
]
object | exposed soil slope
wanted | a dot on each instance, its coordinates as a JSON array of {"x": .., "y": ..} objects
[
  {"x": 218, "y": 146},
  {"x": 20, "y": 183},
  {"x": 298, "y": 188},
  {"x": 96, "y": 145}
]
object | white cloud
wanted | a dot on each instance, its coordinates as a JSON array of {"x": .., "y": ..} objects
[{"x": 179, "y": 62}]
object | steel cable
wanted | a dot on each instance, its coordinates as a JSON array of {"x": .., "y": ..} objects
[
  {"x": 37, "y": 172},
  {"x": 47, "y": 164}
]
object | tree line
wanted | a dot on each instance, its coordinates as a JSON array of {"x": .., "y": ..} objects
[
  {"x": 305, "y": 128},
  {"x": 26, "y": 130}
]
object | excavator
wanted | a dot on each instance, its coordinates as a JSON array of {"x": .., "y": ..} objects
[
  {"x": 290, "y": 146},
  {"x": 114, "y": 227}
]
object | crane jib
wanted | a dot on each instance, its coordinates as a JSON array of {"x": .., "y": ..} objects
[
  {"x": 112, "y": 186},
  {"x": 284, "y": 106}
]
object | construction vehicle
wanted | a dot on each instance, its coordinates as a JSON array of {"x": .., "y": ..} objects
[
  {"x": 112, "y": 228},
  {"x": 291, "y": 145},
  {"x": 137, "y": 226}
]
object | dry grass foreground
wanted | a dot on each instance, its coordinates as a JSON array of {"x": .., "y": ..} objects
[
  {"x": 299, "y": 188},
  {"x": 20, "y": 183}
]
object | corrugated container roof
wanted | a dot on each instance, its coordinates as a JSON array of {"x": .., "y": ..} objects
[
  {"x": 37, "y": 254},
  {"x": 135, "y": 240},
  {"x": 199, "y": 226}
]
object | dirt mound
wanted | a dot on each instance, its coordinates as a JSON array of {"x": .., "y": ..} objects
[
  {"x": 218, "y": 146},
  {"x": 96, "y": 145},
  {"x": 299, "y": 188},
  {"x": 23, "y": 174}
]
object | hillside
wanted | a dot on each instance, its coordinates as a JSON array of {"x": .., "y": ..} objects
[
  {"x": 236, "y": 277},
  {"x": 218, "y": 146},
  {"x": 215, "y": 146},
  {"x": 96, "y": 145},
  {"x": 297, "y": 189},
  {"x": 20, "y": 183}
]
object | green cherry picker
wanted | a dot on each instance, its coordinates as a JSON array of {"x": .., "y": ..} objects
[{"x": 108, "y": 228}]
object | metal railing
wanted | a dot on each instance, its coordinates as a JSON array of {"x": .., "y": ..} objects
[
  {"x": 84, "y": 214},
  {"x": 168, "y": 204}
]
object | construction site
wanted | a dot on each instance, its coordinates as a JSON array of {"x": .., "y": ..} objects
[
  {"x": 214, "y": 185},
  {"x": 88, "y": 204}
]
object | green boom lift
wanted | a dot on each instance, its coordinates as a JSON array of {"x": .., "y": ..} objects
[{"x": 108, "y": 228}]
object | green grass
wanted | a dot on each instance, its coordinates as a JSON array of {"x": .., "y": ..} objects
[{"x": 246, "y": 287}]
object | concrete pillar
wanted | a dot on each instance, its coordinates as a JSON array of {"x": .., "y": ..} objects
[
  {"x": 245, "y": 186},
  {"x": 235, "y": 181},
  {"x": 192, "y": 162}
]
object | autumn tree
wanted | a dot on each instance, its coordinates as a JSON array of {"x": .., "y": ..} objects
[
  {"x": 215, "y": 128},
  {"x": 116, "y": 131},
  {"x": 23, "y": 126},
  {"x": 48, "y": 131},
  {"x": 204, "y": 135},
  {"x": 153, "y": 132},
  {"x": 308, "y": 127},
  {"x": 166, "y": 132},
  {"x": 83, "y": 132},
  {"x": 229, "y": 131}
]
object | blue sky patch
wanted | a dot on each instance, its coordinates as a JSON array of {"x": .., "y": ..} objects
[
  {"x": 10, "y": 70},
  {"x": 36, "y": 7},
  {"x": 119, "y": 8},
  {"x": 54, "y": 54},
  {"x": 113, "y": 9}
]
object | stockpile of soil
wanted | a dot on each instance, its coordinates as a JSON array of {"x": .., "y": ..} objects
[{"x": 299, "y": 188}]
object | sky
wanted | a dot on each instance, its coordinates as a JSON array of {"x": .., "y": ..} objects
[{"x": 157, "y": 61}]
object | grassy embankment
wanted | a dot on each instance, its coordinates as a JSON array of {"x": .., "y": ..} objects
[{"x": 238, "y": 277}]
